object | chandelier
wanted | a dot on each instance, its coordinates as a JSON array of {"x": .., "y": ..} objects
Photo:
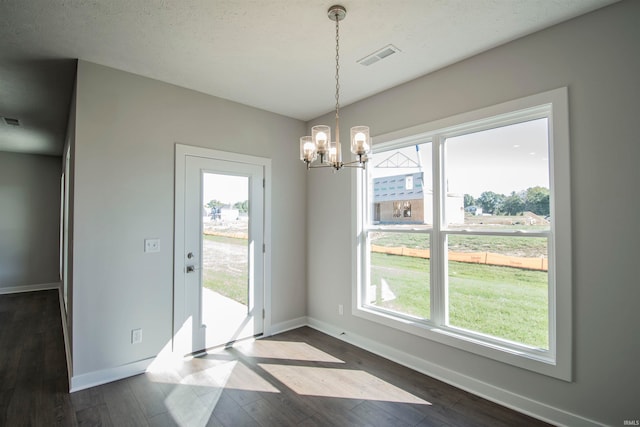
[{"x": 319, "y": 146}]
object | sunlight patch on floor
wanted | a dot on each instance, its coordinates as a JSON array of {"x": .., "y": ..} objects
[
  {"x": 210, "y": 373},
  {"x": 339, "y": 383},
  {"x": 197, "y": 385},
  {"x": 289, "y": 350},
  {"x": 244, "y": 378}
]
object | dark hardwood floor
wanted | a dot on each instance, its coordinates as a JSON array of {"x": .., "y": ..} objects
[{"x": 298, "y": 378}]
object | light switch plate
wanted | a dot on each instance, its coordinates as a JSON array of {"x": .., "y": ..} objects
[{"x": 152, "y": 245}]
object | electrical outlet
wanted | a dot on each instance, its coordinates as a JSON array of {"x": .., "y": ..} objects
[
  {"x": 340, "y": 309},
  {"x": 136, "y": 336},
  {"x": 152, "y": 245}
]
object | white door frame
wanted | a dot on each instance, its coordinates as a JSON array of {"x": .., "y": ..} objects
[{"x": 181, "y": 337}]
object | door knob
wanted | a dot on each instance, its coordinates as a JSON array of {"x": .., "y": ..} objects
[{"x": 190, "y": 255}]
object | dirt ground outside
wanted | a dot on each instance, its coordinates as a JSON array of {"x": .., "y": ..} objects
[{"x": 225, "y": 258}]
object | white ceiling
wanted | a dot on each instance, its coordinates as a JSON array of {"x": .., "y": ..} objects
[{"x": 277, "y": 55}]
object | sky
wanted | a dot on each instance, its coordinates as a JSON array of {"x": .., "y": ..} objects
[
  {"x": 228, "y": 189},
  {"x": 502, "y": 160}
]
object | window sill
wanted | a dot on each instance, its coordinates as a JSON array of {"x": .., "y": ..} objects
[{"x": 534, "y": 360}]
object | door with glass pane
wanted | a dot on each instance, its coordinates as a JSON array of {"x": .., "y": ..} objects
[{"x": 223, "y": 251}]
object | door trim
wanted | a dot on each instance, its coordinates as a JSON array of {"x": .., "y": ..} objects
[{"x": 181, "y": 153}]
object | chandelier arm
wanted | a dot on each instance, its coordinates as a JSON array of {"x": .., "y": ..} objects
[
  {"x": 355, "y": 164},
  {"x": 317, "y": 166}
]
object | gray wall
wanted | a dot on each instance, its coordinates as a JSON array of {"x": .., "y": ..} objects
[
  {"x": 29, "y": 219},
  {"x": 598, "y": 58},
  {"x": 126, "y": 128}
]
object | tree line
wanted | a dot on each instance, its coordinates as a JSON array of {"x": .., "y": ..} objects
[
  {"x": 533, "y": 199},
  {"x": 242, "y": 207}
]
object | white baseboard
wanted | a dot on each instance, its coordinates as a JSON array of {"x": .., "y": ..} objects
[
  {"x": 65, "y": 335},
  {"x": 490, "y": 392},
  {"x": 92, "y": 379},
  {"x": 281, "y": 327},
  {"x": 29, "y": 288}
]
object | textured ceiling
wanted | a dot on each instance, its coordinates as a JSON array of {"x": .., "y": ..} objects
[{"x": 272, "y": 54}]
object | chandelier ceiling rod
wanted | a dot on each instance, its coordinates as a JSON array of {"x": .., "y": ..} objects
[
  {"x": 337, "y": 13},
  {"x": 319, "y": 143}
]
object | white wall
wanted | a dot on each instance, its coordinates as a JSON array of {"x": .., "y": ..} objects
[
  {"x": 29, "y": 220},
  {"x": 598, "y": 58},
  {"x": 126, "y": 129},
  {"x": 67, "y": 227}
]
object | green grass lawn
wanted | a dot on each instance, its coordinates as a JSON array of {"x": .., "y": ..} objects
[
  {"x": 504, "y": 302},
  {"x": 228, "y": 282},
  {"x": 407, "y": 278}
]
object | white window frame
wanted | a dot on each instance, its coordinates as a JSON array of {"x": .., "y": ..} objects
[{"x": 554, "y": 362}]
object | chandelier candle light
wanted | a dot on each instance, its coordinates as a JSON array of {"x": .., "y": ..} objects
[{"x": 319, "y": 143}]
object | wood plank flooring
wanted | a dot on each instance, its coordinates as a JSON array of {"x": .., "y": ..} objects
[{"x": 298, "y": 378}]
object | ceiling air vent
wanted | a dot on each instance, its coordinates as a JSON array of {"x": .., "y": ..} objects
[
  {"x": 11, "y": 122},
  {"x": 376, "y": 56}
]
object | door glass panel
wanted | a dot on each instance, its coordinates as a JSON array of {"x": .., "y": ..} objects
[{"x": 225, "y": 251}]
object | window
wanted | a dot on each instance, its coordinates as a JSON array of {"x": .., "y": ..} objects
[
  {"x": 408, "y": 183},
  {"x": 472, "y": 249}
]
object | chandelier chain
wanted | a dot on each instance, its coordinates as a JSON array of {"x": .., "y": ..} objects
[{"x": 337, "y": 78}]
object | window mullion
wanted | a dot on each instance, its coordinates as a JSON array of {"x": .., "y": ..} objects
[
  {"x": 363, "y": 224},
  {"x": 438, "y": 263}
]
